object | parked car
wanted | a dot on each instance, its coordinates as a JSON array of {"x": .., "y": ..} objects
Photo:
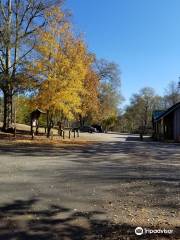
[
  {"x": 75, "y": 129},
  {"x": 98, "y": 128},
  {"x": 88, "y": 129}
]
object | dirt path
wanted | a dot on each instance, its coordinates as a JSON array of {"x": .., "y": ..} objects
[{"x": 102, "y": 191}]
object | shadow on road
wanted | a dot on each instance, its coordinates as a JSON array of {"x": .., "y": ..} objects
[
  {"x": 146, "y": 168},
  {"x": 20, "y": 221},
  {"x": 130, "y": 160}
]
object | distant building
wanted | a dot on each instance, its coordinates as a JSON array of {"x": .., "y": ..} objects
[{"x": 166, "y": 124}]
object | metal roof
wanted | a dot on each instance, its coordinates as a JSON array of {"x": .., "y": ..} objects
[
  {"x": 157, "y": 113},
  {"x": 167, "y": 112}
]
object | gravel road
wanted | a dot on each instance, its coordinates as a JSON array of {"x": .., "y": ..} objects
[{"x": 100, "y": 191}]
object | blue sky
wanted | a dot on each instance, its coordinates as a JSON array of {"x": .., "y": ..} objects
[{"x": 142, "y": 36}]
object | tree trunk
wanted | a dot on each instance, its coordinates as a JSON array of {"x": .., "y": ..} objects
[
  {"x": 7, "y": 123},
  {"x": 8, "y": 115},
  {"x": 49, "y": 123},
  {"x": 82, "y": 121}
]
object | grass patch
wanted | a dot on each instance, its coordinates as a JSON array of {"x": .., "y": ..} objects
[{"x": 24, "y": 140}]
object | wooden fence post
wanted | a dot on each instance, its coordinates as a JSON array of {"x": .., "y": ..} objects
[
  {"x": 32, "y": 134},
  {"x": 51, "y": 134}
]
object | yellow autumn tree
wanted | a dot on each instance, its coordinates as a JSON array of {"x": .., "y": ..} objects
[
  {"x": 61, "y": 68},
  {"x": 90, "y": 98}
]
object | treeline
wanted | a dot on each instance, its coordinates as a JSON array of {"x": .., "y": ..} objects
[
  {"x": 44, "y": 64},
  {"x": 137, "y": 116}
]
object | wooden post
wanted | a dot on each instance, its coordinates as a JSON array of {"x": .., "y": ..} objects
[
  {"x": 69, "y": 134},
  {"x": 37, "y": 127},
  {"x": 15, "y": 132},
  {"x": 51, "y": 134},
  {"x": 32, "y": 133}
]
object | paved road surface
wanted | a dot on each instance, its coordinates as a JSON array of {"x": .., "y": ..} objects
[{"x": 101, "y": 191}]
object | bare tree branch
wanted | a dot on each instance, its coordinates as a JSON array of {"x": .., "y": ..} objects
[{"x": 2, "y": 10}]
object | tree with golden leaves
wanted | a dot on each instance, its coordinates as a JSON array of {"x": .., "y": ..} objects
[
  {"x": 61, "y": 68},
  {"x": 90, "y": 99}
]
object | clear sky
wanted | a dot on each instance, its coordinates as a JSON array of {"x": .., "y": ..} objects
[{"x": 142, "y": 36}]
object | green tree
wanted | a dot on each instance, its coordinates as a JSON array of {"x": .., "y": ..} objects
[
  {"x": 23, "y": 109},
  {"x": 139, "y": 113}
]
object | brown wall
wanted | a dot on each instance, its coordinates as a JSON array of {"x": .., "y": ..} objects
[
  {"x": 169, "y": 126},
  {"x": 177, "y": 125}
]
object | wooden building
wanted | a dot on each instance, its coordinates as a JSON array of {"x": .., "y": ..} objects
[{"x": 166, "y": 124}]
